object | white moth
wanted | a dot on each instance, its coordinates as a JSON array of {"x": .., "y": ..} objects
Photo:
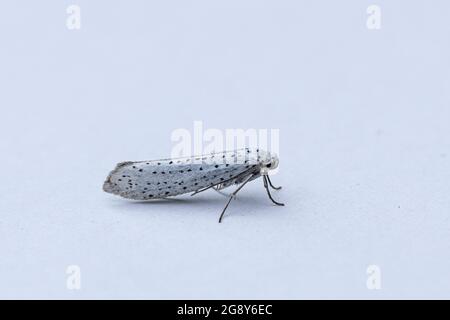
[{"x": 158, "y": 179}]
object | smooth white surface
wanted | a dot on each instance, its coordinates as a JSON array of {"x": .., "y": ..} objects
[{"x": 364, "y": 159}]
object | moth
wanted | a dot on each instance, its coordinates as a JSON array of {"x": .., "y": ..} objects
[{"x": 159, "y": 179}]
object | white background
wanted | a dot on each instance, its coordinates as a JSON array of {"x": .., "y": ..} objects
[{"x": 364, "y": 132}]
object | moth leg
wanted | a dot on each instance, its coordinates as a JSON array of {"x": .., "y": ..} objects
[
  {"x": 232, "y": 196},
  {"x": 268, "y": 192},
  {"x": 201, "y": 190},
  {"x": 215, "y": 186},
  {"x": 270, "y": 184},
  {"x": 218, "y": 190}
]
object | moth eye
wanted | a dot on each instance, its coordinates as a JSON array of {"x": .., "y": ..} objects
[{"x": 269, "y": 165}]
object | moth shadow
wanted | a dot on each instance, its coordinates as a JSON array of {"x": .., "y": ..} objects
[
  {"x": 254, "y": 204},
  {"x": 206, "y": 200},
  {"x": 175, "y": 203},
  {"x": 253, "y": 201}
]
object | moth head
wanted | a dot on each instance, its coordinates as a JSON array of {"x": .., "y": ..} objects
[
  {"x": 268, "y": 161},
  {"x": 273, "y": 164}
]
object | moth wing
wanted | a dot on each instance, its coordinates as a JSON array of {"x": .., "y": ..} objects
[{"x": 157, "y": 179}]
